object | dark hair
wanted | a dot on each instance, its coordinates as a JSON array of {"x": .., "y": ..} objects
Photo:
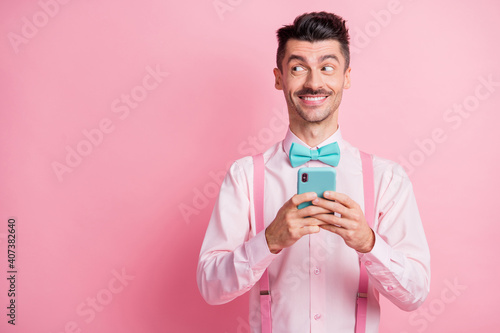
[{"x": 312, "y": 27}]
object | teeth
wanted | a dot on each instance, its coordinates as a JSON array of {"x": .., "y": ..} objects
[{"x": 314, "y": 98}]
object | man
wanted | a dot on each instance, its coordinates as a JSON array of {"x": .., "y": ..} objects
[{"x": 311, "y": 254}]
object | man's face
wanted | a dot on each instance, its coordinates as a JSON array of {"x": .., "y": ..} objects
[{"x": 313, "y": 79}]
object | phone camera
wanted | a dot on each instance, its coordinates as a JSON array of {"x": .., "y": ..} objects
[{"x": 304, "y": 177}]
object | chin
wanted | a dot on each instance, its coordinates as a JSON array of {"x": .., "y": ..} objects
[
  {"x": 314, "y": 120},
  {"x": 314, "y": 117}
]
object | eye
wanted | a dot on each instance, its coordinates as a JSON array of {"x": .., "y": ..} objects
[
  {"x": 297, "y": 69},
  {"x": 328, "y": 68}
]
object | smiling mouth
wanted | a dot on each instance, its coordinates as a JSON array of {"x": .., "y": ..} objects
[{"x": 313, "y": 98}]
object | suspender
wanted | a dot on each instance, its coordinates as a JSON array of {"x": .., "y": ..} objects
[
  {"x": 258, "y": 197},
  {"x": 265, "y": 297},
  {"x": 368, "y": 188}
]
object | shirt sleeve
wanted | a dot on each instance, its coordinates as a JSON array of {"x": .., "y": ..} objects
[
  {"x": 399, "y": 263},
  {"x": 231, "y": 260}
]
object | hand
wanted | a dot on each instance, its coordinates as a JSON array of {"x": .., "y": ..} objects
[
  {"x": 292, "y": 223},
  {"x": 351, "y": 226}
]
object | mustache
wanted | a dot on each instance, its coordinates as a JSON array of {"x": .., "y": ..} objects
[{"x": 308, "y": 91}]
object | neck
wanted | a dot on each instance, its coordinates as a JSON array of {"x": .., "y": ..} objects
[{"x": 314, "y": 133}]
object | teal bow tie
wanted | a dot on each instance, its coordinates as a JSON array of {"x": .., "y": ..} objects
[{"x": 329, "y": 154}]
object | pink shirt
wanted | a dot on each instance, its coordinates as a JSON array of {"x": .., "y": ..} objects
[{"x": 314, "y": 282}]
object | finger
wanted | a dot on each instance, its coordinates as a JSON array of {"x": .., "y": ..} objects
[
  {"x": 306, "y": 230},
  {"x": 334, "y": 220},
  {"x": 311, "y": 210},
  {"x": 332, "y": 206},
  {"x": 354, "y": 213},
  {"x": 334, "y": 229},
  {"x": 312, "y": 221},
  {"x": 297, "y": 199},
  {"x": 342, "y": 198}
]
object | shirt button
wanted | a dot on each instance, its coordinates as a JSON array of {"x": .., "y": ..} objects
[
  {"x": 317, "y": 271},
  {"x": 317, "y": 316},
  {"x": 390, "y": 288},
  {"x": 368, "y": 263}
]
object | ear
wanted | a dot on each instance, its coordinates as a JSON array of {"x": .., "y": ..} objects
[
  {"x": 277, "y": 79},
  {"x": 347, "y": 78}
]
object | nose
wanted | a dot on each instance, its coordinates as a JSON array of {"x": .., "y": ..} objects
[{"x": 314, "y": 80}]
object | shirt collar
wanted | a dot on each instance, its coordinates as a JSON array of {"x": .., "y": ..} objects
[{"x": 290, "y": 138}]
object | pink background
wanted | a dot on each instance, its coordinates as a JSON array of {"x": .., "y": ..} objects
[{"x": 137, "y": 200}]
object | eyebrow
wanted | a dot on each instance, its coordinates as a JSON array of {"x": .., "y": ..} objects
[
  {"x": 295, "y": 57},
  {"x": 329, "y": 56},
  {"x": 323, "y": 58}
]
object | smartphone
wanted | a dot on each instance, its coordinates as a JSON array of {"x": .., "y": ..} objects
[{"x": 316, "y": 180}]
